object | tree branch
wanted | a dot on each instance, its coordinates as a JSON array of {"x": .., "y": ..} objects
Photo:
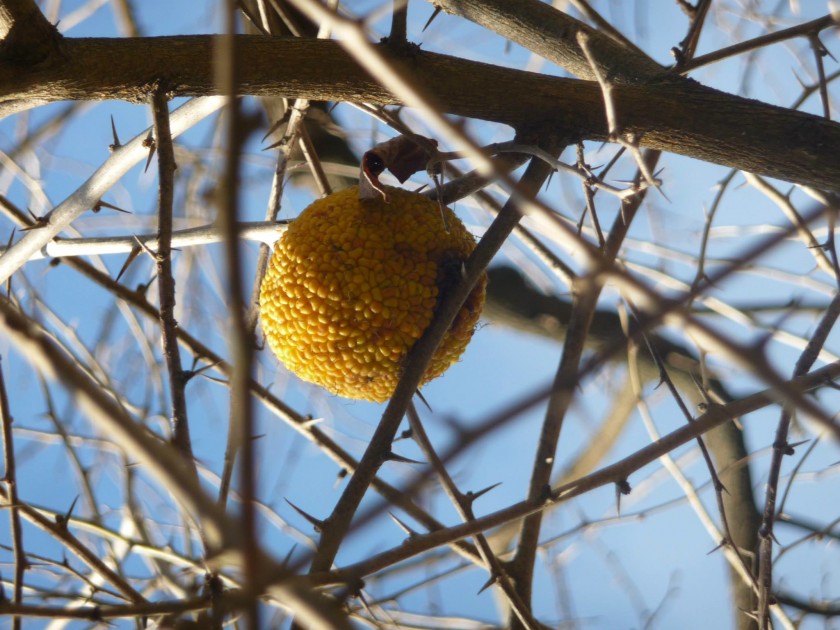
[
  {"x": 552, "y": 34},
  {"x": 166, "y": 282},
  {"x": 679, "y": 116},
  {"x": 622, "y": 469},
  {"x": 27, "y": 37}
]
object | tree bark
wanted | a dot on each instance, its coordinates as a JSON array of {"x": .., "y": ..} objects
[{"x": 680, "y": 116}]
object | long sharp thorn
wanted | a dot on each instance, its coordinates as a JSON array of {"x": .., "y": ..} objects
[
  {"x": 429, "y": 21},
  {"x": 402, "y": 525},
  {"x": 105, "y": 204},
  {"x": 490, "y": 582},
  {"x": 423, "y": 400},
  {"x": 316, "y": 523},
  {"x": 150, "y": 143},
  {"x": 472, "y": 496},
  {"x": 393, "y": 457},
  {"x": 135, "y": 251},
  {"x": 117, "y": 144}
]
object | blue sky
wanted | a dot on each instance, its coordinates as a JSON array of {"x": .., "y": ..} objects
[{"x": 665, "y": 549}]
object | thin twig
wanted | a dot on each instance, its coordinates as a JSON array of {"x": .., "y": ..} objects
[
  {"x": 463, "y": 503},
  {"x": 688, "y": 45},
  {"x": 589, "y": 195},
  {"x": 814, "y": 26},
  {"x": 399, "y": 23},
  {"x": 605, "y": 27},
  {"x": 241, "y": 339},
  {"x": 606, "y": 87},
  {"x": 303, "y": 425},
  {"x": 621, "y": 470},
  {"x": 315, "y": 166},
  {"x": 707, "y": 227},
  {"x": 785, "y": 205},
  {"x": 87, "y": 195},
  {"x": 737, "y": 559},
  {"x": 57, "y": 529},
  {"x": 819, "y": 52},
  {"x": 166, "y": 283},
  {"x": 567, "y": 377},
  {"x": 781, "y": 447},
  {"x": 10, "y": 479}
]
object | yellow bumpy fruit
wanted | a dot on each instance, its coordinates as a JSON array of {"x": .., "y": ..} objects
[{"x": 352, "y": 285}]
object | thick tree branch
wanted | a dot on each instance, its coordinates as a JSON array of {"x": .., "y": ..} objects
[
  {"x": 679, "y": 116},
  {"x": 27, "y": 37},
  {"x": 552, "y": 34}
]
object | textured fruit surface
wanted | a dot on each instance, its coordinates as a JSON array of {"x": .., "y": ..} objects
[{"x": 352, "y": 285}]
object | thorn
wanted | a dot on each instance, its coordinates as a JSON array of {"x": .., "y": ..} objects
[
  {"x": 391, "y": 456},
  {"x": 37, "y": 222},
  {"x": 191, "y": 374},
  {"x": 116, "y": 144},
  {"x": 820, "y": 48},
  {"x": 765, "y": 531},
  {"x": 720, "y": 545},
  {"x": 274, "y": 127},
  {"x": 622, "y": 487},
  {"x": 431, "y": 19},
  {"x": 288, "y": 559},
  {"x": 662, "y": 379},
  {"x": 352, "y": 588},
  {"x": 360, "y": 596},
  {"x": 62, "y": 519},
  {"x": 750, "y": 614},
  {"x": 490, "y": 582},
  {"x": 423, "y": 400},
  {"x": 549, "y": 178},
  {"x": 104, "y": 204},
  {"x": 135, "y": 251},
  {"x": 787, "y": 448},
  {"x": 213, "y": 586},
  {"x": 316, "y": 523},
  {"x": 310, "y": 422},
  {"x": 9, "y": 279},
  {"x": 146, "y": 248},
  {"x": 473, "y": 496},
  {"x": 141, "y": 288},
  {"x": 274, "y": 145},
  {"x": 149, "y": 143},
  {"x": 410, "y": 532}
]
